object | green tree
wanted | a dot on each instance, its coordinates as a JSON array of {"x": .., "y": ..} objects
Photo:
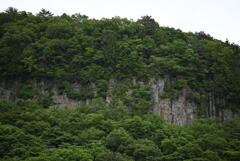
[{"x": 118, "y": 140}]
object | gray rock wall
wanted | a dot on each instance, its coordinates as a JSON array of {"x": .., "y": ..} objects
[
  {"x": 221, "y": 113},
  {"x": 180, "y": 111}
]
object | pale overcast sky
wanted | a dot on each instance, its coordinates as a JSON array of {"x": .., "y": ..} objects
[{"x": 219, "y": 18}]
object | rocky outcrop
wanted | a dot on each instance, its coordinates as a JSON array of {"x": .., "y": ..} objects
[
  {"x": 60, "y": 100},
  {"x": 180, "y": 111},
  {"x": 111, "y": 86},
  {"x": 215, "y": 112},
  {"x": 8, "y": 89}
]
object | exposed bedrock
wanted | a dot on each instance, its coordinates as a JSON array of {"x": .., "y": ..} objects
[{"x": 180, "y": 111}]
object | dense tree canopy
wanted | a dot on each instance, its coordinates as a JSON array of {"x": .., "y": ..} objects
[{"x": 39, "y": 134}]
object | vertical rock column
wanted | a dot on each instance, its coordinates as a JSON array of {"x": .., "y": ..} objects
[{"x": 179, "y": 111}]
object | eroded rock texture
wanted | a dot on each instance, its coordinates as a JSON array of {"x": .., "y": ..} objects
[{"x": 180, "y": 111}]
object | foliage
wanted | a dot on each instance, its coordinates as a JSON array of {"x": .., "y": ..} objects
[{"x": 34, "y": 134}]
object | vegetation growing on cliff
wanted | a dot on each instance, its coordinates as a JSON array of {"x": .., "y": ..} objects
[{"x": 74, "y": 48}]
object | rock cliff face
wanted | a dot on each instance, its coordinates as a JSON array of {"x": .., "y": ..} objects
[
  {"x": 8, "y": 91},
  {"x": 215, "y": 112},
  {"x": 180, "y": 111}
]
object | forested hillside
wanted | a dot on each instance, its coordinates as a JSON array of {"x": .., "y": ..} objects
[
  {"x": 110, "y": 133},
  {"x": 73, "y": 48},
  {"x": 109, "y": 76}
]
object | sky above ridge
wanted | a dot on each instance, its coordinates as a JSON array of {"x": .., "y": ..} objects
[{"x": 219, "y": 18}]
